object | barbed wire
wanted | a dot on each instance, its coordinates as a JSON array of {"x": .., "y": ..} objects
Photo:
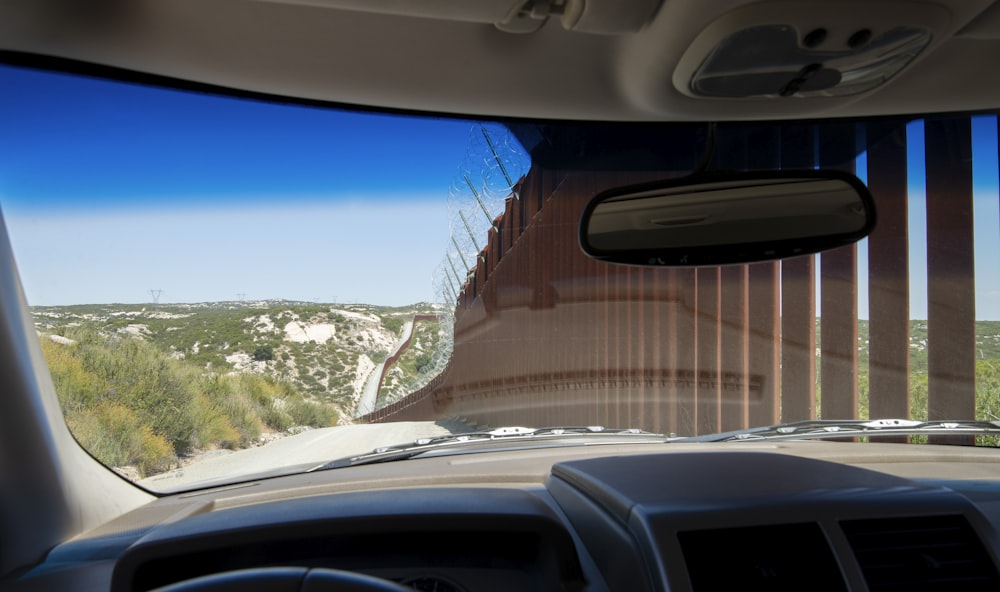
[{"x": 493, "y": 164}]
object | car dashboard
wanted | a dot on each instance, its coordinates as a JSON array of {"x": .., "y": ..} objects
[{"x": 824, "y": 515}]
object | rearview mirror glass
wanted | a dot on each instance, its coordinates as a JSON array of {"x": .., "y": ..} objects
[{"x": 722, "y": 219}]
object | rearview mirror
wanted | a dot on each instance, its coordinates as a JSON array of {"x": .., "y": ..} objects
[{"x": 722, "y": 219}]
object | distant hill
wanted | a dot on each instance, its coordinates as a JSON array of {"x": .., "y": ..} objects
[
  {"x": 987, "y": 342},
  {"x": 143, "y": 386},
  {"x": 327, "y": 351}
]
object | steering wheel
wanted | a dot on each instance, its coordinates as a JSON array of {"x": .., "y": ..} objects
[{"x": 285, "y": 579}]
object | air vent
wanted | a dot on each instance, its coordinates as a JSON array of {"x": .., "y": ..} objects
[
  {"x": 921, "y": 554},
  {"x": 773, "y": 558}
]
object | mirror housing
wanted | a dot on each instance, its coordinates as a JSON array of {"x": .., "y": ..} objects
[{"x": 727, "y": 218}]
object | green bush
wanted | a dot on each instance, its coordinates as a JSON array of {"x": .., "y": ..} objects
[
  {"x": 213, "y": 426},
  {"x": 114, "y": 436},
  {"x": 393, "y": 324},
  {"x": 422, "y": 362},
  {"x": 128, "y": 403},
  {"x": 277, "y": 418},
  {"x": 140, "y": 378},
  {"x": 263, "y": 353},
  {"x": 308, "y": 413}
]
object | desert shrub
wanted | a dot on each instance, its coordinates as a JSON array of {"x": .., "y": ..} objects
[
  {"x": 113, "y": 435},
  {"x": 393, "y": 324},
  {"x": 212, "y": 425},
  {"x": 244, "y": 414},
  {"x": 228, "y": 397},
  {"x": 422, "y": 362},
  {"x": 306, "y": 311},
  {"x": 276, "y": 418},
  {"x": 128, "y": 403},
  {"x": 263, "y": 353},
  {"x": 309, "y": 413},
  {"x": 141, "y": 378},
  {"x": 76, "y": 386}
]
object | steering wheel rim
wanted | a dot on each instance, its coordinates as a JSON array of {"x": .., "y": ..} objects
[{"x": 285, "y": 579}]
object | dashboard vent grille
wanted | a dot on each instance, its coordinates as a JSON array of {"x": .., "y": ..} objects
[{"x": 921, "y": 554}]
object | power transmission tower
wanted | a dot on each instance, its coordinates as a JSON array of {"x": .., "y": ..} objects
[{"x": 156, "y": 295}]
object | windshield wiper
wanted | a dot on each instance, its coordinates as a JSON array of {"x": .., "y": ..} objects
[
  {"x": 494, "y": 439},
  {"x": 840, "y": 428}
]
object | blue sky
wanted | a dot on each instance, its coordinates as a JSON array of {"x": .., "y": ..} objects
[
  {"x": 166, "y": 148},
  {"x": 216, "y": 198},
  {"x": 987, "y": 216},
  {"x": 208, "y": 198}
]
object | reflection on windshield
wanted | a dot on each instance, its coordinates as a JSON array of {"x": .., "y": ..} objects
[{"x": 230, "y": 288}]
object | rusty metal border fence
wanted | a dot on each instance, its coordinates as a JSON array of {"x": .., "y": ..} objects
[{"x": 545, "y": 335}]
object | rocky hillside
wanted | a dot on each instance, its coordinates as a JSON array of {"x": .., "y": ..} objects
[{"x": 328, "y": 351}]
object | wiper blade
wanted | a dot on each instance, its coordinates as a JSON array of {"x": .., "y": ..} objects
[
  {"x": 818, "y": 429},
  {"x": 486, "y": 439}
]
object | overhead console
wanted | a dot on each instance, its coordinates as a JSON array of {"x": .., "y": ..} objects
[
  {"x": 780, "y": 49},
  {"x": 750, "y": 520}
]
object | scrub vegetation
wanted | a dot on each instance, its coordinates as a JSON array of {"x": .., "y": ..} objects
[
  {"x": 142, "y": 386},
  {"x": 987, "y": 372},
  {"x": 326, "y": 351},
  {"x": 129, "y": 404}
]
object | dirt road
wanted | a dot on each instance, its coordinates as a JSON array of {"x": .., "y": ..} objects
[{"x": 314, "y": 446}]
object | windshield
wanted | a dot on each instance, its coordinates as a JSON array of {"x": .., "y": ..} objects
[{"x": 227, "y": 287}]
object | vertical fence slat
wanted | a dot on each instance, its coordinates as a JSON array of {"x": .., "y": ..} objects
[
  {"x": 686, "y": 338},
  {"x": 654, "y": 360},
  {"x": 517, "y": 215},
  {"x": 507, "y": 223},
  {"x": 839, "y": 333},
  {"x": 608, "y": 347},
  {"x": 763, "y": 307},
  {"x": 839, "y": 315},
  {"x": 591, "y": 270},
  {"x": 764, "y": 344},
  {"x": 889, "y": 282},
  {"x": 638, "y": 363},
  {"x": 628, "y": 345},
  {"x": 798, "y": 302},
  {"x": 798, "y": 338},
  {"x": 669, "y": 409},
  {"x": 951, "y": 303},
  {"x": 734, "y": 347},
  {"x": 708, "y": 391},
  {"x": 617, "y": 399}
]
